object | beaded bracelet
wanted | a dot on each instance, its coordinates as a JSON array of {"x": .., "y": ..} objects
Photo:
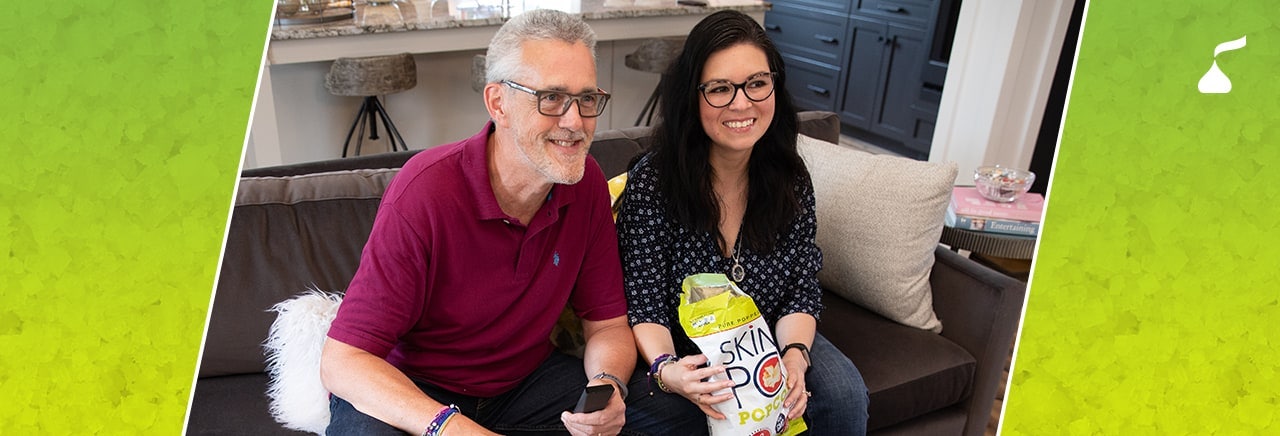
[
  {"x": 446, "y": 422},
  {"x": 656, "y": 368},
  {"x": 442, "y": 418},
  {"x": 657, "y": 376}
]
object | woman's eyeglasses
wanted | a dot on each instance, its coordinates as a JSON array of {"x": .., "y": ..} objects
[{"x": 720, "y": 93}]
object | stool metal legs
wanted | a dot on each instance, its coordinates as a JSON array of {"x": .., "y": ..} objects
[
  {"x": 650, "y": 106},
  {"x": 370, "y": 112}
]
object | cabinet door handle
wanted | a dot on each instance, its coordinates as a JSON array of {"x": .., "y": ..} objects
[
  {"x": 818, "y": 89},
  {"x": 773, "y": 27},
  {"x": 824, "y": 38},
  {"x": 888, "y": 8}
]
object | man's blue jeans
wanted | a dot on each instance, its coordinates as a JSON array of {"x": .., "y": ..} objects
[{"x": 534, "y": 407}]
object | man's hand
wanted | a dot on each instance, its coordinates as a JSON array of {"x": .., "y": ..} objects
[{"x": 607, "y": 421}]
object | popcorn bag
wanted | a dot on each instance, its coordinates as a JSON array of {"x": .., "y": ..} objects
[{"x": 727, "y": 327}]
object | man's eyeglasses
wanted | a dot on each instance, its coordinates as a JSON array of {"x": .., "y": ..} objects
[
  {"x": 720, "y": 93},
  {"x": 556, "y": 103}
]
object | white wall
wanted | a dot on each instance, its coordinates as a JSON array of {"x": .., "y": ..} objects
[
  {"x": 1002, "y": 66},
  {"x": 311, "y": 124}
]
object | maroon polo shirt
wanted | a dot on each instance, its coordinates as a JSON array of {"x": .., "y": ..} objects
[{"x": 454, "y": 292}]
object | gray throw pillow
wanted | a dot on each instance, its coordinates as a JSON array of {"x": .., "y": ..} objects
[{"x": 879, "y": 220}]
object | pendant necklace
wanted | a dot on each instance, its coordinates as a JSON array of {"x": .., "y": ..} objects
[{"x": 737, "y": 273}]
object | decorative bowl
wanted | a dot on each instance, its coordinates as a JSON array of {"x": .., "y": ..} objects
[{"x": 1002, "y": 184}]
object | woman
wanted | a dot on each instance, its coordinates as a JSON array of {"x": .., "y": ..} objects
[{"x": 723, "y": 190}]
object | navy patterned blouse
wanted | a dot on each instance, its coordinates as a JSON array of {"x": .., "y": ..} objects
[{"x": 658, "y": 253}]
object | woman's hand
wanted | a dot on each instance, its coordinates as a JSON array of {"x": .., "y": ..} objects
[
  {"x": 685, "y": 378},
  {"x": 798, "y": 398}
]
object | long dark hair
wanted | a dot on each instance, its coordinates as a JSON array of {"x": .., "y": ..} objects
[{"x": 681, "y": 148}]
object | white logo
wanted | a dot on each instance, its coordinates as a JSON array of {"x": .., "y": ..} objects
[{"x": 1214, "y": 81}]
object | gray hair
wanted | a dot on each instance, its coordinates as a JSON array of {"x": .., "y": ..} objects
[{"x": 502, "y": 61}]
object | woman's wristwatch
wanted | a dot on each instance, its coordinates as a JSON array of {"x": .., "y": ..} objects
[{"x": 804, "y": 352}]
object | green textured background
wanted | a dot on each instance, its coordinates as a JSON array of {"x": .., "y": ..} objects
[
  {"x": 1153, "y": 303},
  {"x": 123, "y": 126}
]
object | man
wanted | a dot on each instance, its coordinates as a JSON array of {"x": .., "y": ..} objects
[{"x": 476, "y": 249}]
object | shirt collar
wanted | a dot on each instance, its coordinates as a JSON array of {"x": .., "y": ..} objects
[{"x": 475, "y": 167}]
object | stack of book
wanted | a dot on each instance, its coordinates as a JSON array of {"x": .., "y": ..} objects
[{"x": 970, "y": 211}]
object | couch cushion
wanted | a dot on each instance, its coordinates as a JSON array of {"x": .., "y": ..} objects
[
  {"x": 614, "y": 149},
  {"x": 948, "y": 421},
  {"x": 909, "y": 372},
  {"x": 879, "y": 220},
  {"x": 820, "y": 125},
  {"x": 233, "y": 405},
  {"x": 286, "y": 234},
  {"x": 394, "y": 159}
]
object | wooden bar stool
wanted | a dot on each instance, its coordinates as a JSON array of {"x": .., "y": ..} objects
[
  {"x": 653, "y": 55},
  {"x": 478, "y": 70},
  {"x": 370, "y": 77}
]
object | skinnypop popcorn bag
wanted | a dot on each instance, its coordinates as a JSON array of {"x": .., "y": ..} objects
[{"x": 727, "y": 327}]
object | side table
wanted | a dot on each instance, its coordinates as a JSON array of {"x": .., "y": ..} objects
[{"x": 1010, "y": 255}]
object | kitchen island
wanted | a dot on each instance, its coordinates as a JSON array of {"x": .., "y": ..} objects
[{"x": 297, "y": 120}]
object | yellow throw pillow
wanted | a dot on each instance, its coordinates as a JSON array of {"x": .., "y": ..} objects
[{"x": 616, "y": 185}]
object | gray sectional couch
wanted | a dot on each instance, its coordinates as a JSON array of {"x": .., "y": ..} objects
[{"x": 299, "y": 226}]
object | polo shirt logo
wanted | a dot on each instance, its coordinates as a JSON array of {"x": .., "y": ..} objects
[{"x": 555, "y": 259}]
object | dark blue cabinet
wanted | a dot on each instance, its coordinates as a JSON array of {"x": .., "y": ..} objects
[
  {"x": 865, "y": 72},
  {"x": 868, "y": 60},
  {"x": 813, "y": 45},
  {"x": 887, "y": 102}
]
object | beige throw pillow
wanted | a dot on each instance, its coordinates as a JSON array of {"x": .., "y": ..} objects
[{"x": 879, "y": 220}]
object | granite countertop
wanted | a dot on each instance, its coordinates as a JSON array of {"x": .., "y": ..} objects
[{"x": 402, "y": 16}]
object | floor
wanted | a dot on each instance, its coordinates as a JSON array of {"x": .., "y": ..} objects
[{"x": 994, "y": 422}]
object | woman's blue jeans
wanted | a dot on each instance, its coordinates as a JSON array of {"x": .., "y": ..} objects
[{"x": 839, "y": 402}]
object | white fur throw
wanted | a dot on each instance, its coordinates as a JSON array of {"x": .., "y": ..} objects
[{"x": 298, "y": 400}]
